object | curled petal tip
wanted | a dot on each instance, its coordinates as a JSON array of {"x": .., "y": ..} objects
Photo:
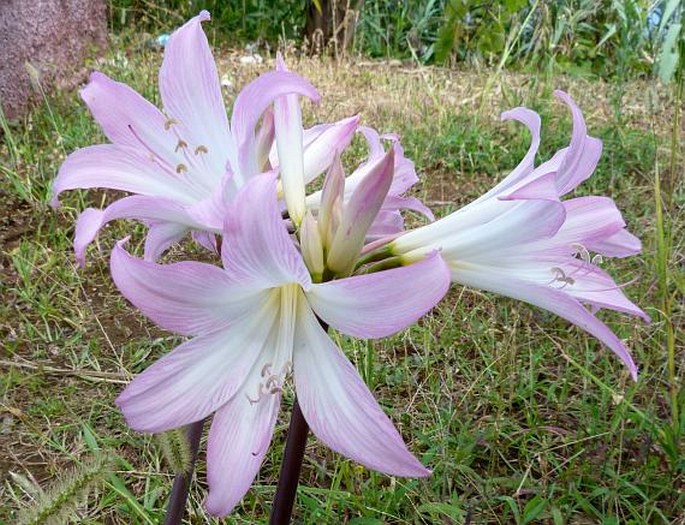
[{"x": 204, "y": 16}]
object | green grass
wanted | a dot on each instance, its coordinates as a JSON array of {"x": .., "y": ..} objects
[{"x": 522, "y": 418}]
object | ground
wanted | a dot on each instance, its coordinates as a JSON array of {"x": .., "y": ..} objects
[{"x": 521, "y": 417}]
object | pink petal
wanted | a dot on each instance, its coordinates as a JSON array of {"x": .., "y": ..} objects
[
  {"x": 191, "y": 93},
  {"x": 531, "y": 120},
  {"x": 137, "y": 207},
  {"x": 555, "y": 300},
  {"x": 319, "y": 141},
  {"x": 594, "y": 286},
  {"x": 382, "y": 303},
  {"x": 339, "y": 407},
  {"x": 238, "y": 441},
  {"x": 188, "y": 298},
  {"x": 359, "y": 213},
  {"x": 161, "y": 236},
  {"x": 288, "y": 125},
  {"x": 127, "y": 119},
  {"x": 121, "y": 168},
  {"x": 395, "y": 202},
  {"x": 196, "y": 378},
  {"x": 256, "y": 246},
  {"x": 620, "y": 244},
  {"x": 463, "y": 238},
  {"x": 251, "y": 103},
  {"x": 583, "y": 153}
]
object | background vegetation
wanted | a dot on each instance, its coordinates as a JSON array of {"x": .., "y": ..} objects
[{"x": 522, "y": 418}]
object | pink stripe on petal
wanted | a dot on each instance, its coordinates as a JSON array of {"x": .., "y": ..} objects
[
  {"x": 339, "y": 407},
  {"x": 238, "y": 441},
  {"x": 359, "y": 213},
  {"x": 382, "y": 303},
  {"x": 161, "y": 236}
]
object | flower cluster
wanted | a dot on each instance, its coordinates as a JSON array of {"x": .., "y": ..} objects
[{"x": 293, "y": 261}]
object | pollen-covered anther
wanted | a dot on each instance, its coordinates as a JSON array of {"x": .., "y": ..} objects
[
  {"x": 181, "y": 168},
  {"x": 201, "y": 149},
  {"x": 170, "y": 122},
  {"x": 182, "y": 144},
  {"x": 581, "y": 252}
]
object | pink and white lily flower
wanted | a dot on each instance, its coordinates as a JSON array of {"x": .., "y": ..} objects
[
  {"x": 253, "y": 323},
  {"x": 522, "y": 241},
  {"x": 185, "y": 163}
]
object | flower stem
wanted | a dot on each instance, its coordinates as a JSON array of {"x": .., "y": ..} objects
[
  {"x": 286, "y": 490},
  {"x": 179, "y": 491}
]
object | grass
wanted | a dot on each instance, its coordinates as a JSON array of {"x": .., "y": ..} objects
[{"x": 522, "y": 418}]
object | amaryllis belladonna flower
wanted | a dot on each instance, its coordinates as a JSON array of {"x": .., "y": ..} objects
[
  {"x": 522, "y": 241},
  {"x": 185, "y": 163},
  {"x": 253, "y": 323}
]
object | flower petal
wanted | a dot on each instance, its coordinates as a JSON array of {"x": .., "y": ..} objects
[
  {"x": 238, "y": 441},
  {"x": 187, "y": 297},
  {"x": 256, "y": 246},
  {"x": 288, "y": 125},
  {"x": 251, "y": 103},
  {"x": 320, "y": 141},
  {"x": 620, "y": 244},
  {"x": 554, "y": 300},
  {"x": 137, "y": 207},
  {"x": 127, "y": 118},
  {"x": 198, "y": 377},
  {"x": 339, "y": 407},
  {"x": 531, "y": 120},
  {"x": 121, "y": 168},
  {"x": 582, "y": 154},
  {"x": 161, "y": 236},
  {"x": 382, "y": 303},
  {"x": 358, "y": 215},
  {"x": 191, "y": 93}
]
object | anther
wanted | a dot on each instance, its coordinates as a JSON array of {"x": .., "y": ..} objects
[
  {"x": 266, "y": 370},
  {"x": 560, "y": 276},
  {"x": 182, "y": 144},
  {"x": 181, "y": 168},
  {"x": 201, "y": 149},
  {"x": 170, "y": 122}
]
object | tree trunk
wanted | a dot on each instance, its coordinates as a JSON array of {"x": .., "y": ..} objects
[{"x": 333, "y": 27}]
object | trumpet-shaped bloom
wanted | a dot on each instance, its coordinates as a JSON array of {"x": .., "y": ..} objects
[
  {"x": 185, "y": 163},
  {"x": 254, "y": 321},
  {"x": 522, "y": 241}
]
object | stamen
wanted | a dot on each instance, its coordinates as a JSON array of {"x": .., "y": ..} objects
[
  {"x": 181, "y": 168},
  {"x": 266, "y": 370},
  {"x": 182, "y": 144},
  {"x": 201, "y": 149},
  {"x": 597, "y": 259},
  {"x": 581, "y": 251},
  {"x": 170, "y": 122},
  {"x": 560, "y": 276},
  {"x": 260, "y": 395}
]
